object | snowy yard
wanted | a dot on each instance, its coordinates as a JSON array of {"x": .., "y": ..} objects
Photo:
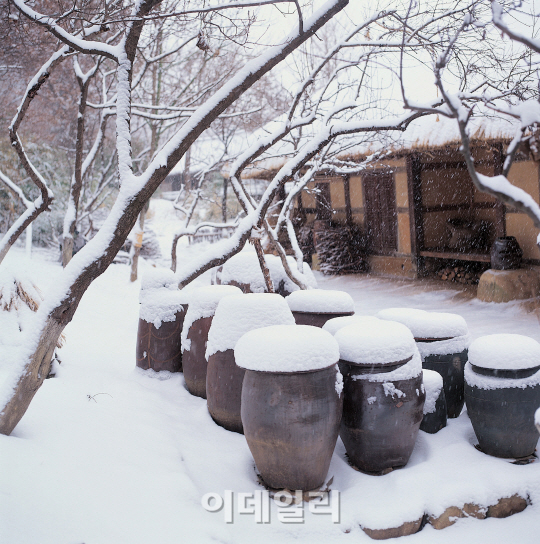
[{"x": 110, "y": 454}]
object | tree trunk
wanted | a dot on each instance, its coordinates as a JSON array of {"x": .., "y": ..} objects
[
  {"x": 224, "y": 202},
  {"x": 263, "y": 265},
  {"x": 67, "y": 250},
  {"x": 138, "y": 244},
  {"x": 30, "y": 381}
]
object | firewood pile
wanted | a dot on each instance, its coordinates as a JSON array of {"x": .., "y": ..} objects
[{"x": 459, "y": 274}]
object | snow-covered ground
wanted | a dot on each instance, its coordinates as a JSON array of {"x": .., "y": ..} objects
[{"x": 110, "y": 454}]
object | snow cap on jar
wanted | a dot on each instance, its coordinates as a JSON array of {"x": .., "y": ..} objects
[
  {"x": 425, "y": 324},
  {"x": 244, "y": 268},
  {"x": 239, "y": 314},
  {"x": 159, "y": 278},
  {"x": 335, "y": 324},
  {"x": 286, "y": 348},
  {"x": 433, "y": 383},
  {"x": 505, "y": 352},
  {"x": 321, "y": 301},
  {"x": 160, "y": 297},
  {"x": 375, "y": 342},
  {"x": 203, "y": 302}
]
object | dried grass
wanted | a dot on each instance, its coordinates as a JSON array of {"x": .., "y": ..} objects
[{"x": 15, "y": 294}]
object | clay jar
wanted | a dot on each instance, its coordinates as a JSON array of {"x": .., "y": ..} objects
[
  {"x": 291, "y": 403},
  {"x": 316, "y": 306},
  {"x": 443, "y": 341},
  {"x": 235, "y": 316},
  {"x": 435, "y": 406},
  {"x": 202, "y": 305},
  {"x": 244, "y": 271},
  {"x": 383, "y": 394},
  {"x": 502, "y": 392},
  {"x": 161, "y": 317}
]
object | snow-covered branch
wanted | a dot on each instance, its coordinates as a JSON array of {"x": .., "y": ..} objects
[
  {"x": 90, "y": 47},
  {"x": 497, "y": 11}
]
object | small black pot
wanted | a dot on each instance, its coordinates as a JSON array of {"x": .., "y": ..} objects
[
  {"x": 451, "y": 367},
  {"x": 506, "y": 253},
  {"x": 503, "y": 418},
  {"x": 435, "y": 421}
]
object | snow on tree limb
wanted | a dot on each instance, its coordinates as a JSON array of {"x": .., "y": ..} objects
[
  {"x": 497, "y": 12},
  {"x": 75, "y": 42}
]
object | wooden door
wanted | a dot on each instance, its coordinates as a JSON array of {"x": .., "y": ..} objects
[{"x": 380, "y": 212}]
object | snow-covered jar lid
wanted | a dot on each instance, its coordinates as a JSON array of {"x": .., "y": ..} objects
[
  {"x": 333, "y": 325},
  {"x": 238, "y": 314},
  {"x": 427, "y": 325},
  {"x": 375, "y": 342},
  {"x": 203, "y": 302},
  {"x": 433, "y": 383},
  {"x": 159, "y": 278},
  {"x": 244, "y": 269},
  {"x": 160, "y": 297},
  {"x": 286, "y": 348},
  {"x": 505, "y": 352},
  {"x": 280, "y": 278},
  {"x": 321, "y": 301},
  {"x": 161, "y": 305}
]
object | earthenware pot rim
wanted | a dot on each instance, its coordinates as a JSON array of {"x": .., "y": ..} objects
[
  {"x": 323, "y": 313},
  {"x": 290, "y": 373},
  {"x": 505, "y": 373},
  {"x": 378, "y": 368},
  {"x": 430, "y": 340}
]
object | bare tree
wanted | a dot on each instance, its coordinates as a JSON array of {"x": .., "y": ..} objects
[{"x": 125, "y": 29}]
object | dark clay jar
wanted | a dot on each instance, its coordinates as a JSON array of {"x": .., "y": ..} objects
[
  {"x": 451, "y": 367},
  {"x": 503, "y": 418},
  {"x": 316, "y": 319},
  {"x": 194, "y": 361},
  {"x": 434, "y": 421},
  {"x": 506, "y": 253},
  {"x": 161, "y": 349},
  {"x": 378, "y": 429},
  {"x": 291, "y": 423},
  {"x": 224, "y": 390}
]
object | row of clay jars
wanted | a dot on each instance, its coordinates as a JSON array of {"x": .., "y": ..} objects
[
  {"x": 234, "y": 317},
  {"x": 224, "y": 377},
  {"x": 195, "y": 335}
]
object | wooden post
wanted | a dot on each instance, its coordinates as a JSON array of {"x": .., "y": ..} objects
[
  {"x": 500, "y": 209},
  {"x": 348, "y": 207},
  {"x": 414, "y": 173}
]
